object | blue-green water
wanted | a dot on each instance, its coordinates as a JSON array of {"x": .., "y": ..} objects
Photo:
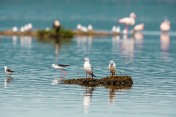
[
  {"x": 102, "y": 14},
  {"x": 150, "y": 62},
  {"x": 34, "y": 91}
]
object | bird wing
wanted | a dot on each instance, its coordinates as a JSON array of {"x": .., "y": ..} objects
[
  {"x": 124, "y": 20},
  {"x": 9, "y": 70},
  {"x": 91, "y": 67},
  {"x": 62, "y": 65}
]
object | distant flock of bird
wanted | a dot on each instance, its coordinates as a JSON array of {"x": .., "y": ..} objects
[
  {"x": 127, "y": 21},
  {"x": 25, "y": 28},
  {"x": 87, "y": 68}
]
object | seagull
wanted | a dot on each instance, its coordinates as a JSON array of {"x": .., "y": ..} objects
[
  {"x": 56, "y": 25},
  {"x": 165, "y": 26},
  {"x": 8, "y": 71},
  {"x": 84, "y": 29},
  {"x": 112, "y": 67},
  {"x": 30, "y": 26},
  {"x": 88, "y": 68},
  {"x": 90, "y": 28},
  {"x": 22, "y": 29},
  {"x": 60, "y": 67},
  {"x": 114, "y": 29},
  {"x": 15, "y": 29},
  {"x": 79, "y": 27},
  {"x": 128, "y": 20}
]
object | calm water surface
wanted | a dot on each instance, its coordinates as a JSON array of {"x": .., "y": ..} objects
[{"x": 34, "y": 92}]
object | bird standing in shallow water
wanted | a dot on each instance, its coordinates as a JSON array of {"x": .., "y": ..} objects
[
  {"x": 60, "y": 67},
  {"x": 112, "y": 67},
  {"x": 88, "y": 68},
  {"x": 128, "y": 20},
  {"x": 8, "y": 71}
]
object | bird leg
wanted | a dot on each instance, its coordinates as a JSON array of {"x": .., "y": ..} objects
[
  {"x": 126, "y": 27},
  {"x": 89, "y": 75},
  {"x": 86, "y": 75},
  {"x": 64, "y": 73},
  {"x": 61, "y": 73}
]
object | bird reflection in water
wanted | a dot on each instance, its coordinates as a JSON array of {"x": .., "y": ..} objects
[
  {"x": 26, "y": 41},
  {"x": 90, "y": 41},
  {"x": 14, "y": 40},
  {"x": 7, "y": 79},
  {"x": 165, "y": 41},
  {"x": 139, "y": 37},
  {"x": 111, "y": 96},
  {"x": 87, "y": 98},
  {"x": 57, "y": 46},
  {"x": 56, "y": 81},
  {"x": 115, "y": 41},
  {"x": 165, "y": 45},
  {"x": 112, "y": 91},
  {"x": 81, "y": 41},
  {"x": 127, "y": 48}
]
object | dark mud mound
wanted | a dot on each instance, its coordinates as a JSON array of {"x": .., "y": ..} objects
[{"x": 123, "y": 81}]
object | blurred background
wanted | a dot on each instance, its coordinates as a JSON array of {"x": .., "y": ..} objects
[{"x": 102, "y": 14}]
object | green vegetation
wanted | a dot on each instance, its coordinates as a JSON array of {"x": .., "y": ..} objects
[{"x": 63, "y": 33}]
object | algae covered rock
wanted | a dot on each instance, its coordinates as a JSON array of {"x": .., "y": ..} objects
[{"x": 123, "y": 81}]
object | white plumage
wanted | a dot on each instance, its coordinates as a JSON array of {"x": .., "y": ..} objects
[
  {"x": 139, "y": 27},
  {"x": 88, "y": 68},
  {"x": 114, "y": 29},
  {"x": 90, "y": 28},
  {"x": 79, "y": 26},
  {"x": 165, "y": 26},
  {"x": 128, "y": 20},
  {"x": 60, "y": 67},
  {"x": 112, "y": 67},
  {"x": 14, "y": 29},
  {"x": 8, "y": 71}
]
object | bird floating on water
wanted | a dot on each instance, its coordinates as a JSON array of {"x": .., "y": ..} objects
[
  {"x": 60, "y": 67},
  {"x": 112, "y": 67},
  {"x": 165, "y": 26},
  {"x": 8, "y": 71},
  {"x": 128, "y": 20},
  {"x": 88, "y": 68},
  {"x": 139, "y": 27}
]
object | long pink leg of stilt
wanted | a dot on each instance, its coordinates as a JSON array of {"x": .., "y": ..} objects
[
  {"x": 61, "y": 73},
  {"x": 127, "y": 28},
  {"x": 64, "y": 73}
]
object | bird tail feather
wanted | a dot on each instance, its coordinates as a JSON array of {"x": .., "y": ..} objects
[{"x": 92, "y": 75}]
